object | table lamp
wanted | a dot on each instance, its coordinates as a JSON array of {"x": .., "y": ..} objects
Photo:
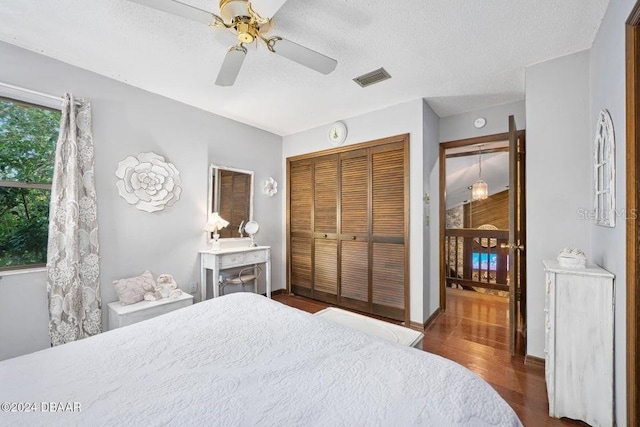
[{"x": 215, "y": 223}]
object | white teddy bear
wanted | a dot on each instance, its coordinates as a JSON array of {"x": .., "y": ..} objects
[{"x": 166, "y": 288}]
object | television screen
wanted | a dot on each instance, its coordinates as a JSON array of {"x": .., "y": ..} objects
[{"x": 484, "y": 261}]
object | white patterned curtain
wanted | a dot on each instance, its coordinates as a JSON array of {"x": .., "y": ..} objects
[{"x": 72, "y": 254}]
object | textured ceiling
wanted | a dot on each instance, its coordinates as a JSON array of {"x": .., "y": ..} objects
[{"x": 459, "y": 55}]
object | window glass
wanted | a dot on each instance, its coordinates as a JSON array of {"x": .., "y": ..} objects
[{"x": 28, "y": 136}]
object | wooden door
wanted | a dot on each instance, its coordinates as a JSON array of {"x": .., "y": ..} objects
[
  {"x": 355, "y": 230},
  {"x": 300, "y": 227},
  {"x": 325, "y": 237},
  {"x": 517, "y": 237},
  {"x": 389, "y": 219}
]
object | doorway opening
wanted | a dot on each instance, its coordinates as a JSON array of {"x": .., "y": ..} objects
[{"x": 482, "y": 236}]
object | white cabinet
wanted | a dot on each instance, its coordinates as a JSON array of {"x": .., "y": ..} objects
[
  {"x": 124, "y": 315},
  {"x": 579, "y": 343}
]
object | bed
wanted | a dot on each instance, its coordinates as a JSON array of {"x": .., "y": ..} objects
[{"x": 243, "y": 360}]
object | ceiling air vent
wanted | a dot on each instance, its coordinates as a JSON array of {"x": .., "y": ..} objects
[{"x": 372, "y": 77}]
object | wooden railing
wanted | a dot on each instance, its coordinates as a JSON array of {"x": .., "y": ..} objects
[{"x": 474, "y": 258}]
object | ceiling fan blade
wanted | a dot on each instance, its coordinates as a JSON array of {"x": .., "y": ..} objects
[
  {"x": 302, "y": 55},
  {"x": 180, "y": 9},
  {"x": 267, "y": 8},
  {"x": 231, "y": 65}
]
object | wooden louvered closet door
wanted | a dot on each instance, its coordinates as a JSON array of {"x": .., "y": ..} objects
[
  {"x": 325, "y": 205},
  {"x": 354, "y": 230},
  {"x": 348, "y": 227},
  {"x": 388, "y": 243},
  {"x": 300, "y": 229}
]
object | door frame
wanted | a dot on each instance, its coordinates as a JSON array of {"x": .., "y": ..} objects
[
  {"x": 632, "y": 30},
  {"x": 442, "y": 208}
]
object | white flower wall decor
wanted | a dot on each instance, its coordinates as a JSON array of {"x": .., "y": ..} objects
[
  {"x": 270, "y": 187},
  {"x": 148, "y": 182}
]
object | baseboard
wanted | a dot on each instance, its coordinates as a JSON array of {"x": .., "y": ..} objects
[
  {"x": 422, "y": 326},
  {"x": 432, "y": 318},
  {"x": 278, "y": 292},
  {"x": 534, "y": 361}
]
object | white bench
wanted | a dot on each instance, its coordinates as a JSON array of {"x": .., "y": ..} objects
[{"x": 375, "y": 327}]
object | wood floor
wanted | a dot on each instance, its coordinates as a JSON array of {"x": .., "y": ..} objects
[{"x": 474, "y": 333}]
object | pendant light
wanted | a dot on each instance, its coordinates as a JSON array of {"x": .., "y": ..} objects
[{"x": 480, "y": 189}]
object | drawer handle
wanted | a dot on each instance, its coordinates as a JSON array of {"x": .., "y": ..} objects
[
  {"x": 325, "y": 236},
  {"x": 354, "y": 237}
]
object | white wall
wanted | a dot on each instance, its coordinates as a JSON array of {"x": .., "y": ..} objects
[
  {"x": 431, "y": 232},
  {"x": 24, "y": 313},
  {"x": 396, "y": 120},
  {"x": 558, "y": 173},
  {"x": 460, "y": 126},
  {"x": 127, "y": 121},
  {"x": 608, "y": 245}
]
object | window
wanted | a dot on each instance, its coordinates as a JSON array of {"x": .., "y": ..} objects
[{"x": 28, "y": 135}]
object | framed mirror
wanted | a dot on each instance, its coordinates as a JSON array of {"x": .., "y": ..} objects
[{"x": 231, "y": 195}]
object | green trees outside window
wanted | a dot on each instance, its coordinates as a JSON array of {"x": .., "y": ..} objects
[{"x": 28, "y": 136}]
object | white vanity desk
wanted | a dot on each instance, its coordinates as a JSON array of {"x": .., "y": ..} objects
[{"x": 230, "y": 258}]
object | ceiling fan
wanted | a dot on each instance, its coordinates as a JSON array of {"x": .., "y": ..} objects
[{"x": 249, "y": 27}]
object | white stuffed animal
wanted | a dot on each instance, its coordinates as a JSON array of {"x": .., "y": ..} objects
[{"x": 167, "y": 286}]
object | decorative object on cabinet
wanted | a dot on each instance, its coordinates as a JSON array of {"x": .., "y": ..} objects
[
  {"x": 337, "y": 133},
  {"x": 133, "y": 289},
  {"x": 232, "y": 257},
  {"x": 251, "y": 228},
  {"x": 125, "y": 315},
  {"x": 579, "y": 319},
  {"x": 572, "y": 258},
  {"x": 167, "y": 286},
  {"x": 215, "y": 223},
  {"x": 148, "y": 182},
  {"x": 604, "y": 172},
  {"x": 230, "y": 193},
  {"x": 270, "y": 187}
]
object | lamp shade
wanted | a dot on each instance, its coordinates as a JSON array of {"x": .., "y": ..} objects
[
  {"x": 479, "y": 190},
  {"x": 215, "y": 223}
]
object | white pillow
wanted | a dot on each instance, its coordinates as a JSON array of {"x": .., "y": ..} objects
[{"x": 132, "y": 290}]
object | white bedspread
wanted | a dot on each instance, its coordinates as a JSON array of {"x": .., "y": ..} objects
[{"x": 244, "y": 360}]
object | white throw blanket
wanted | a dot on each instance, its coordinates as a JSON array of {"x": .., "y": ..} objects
[{"x": 243, "y": 360}]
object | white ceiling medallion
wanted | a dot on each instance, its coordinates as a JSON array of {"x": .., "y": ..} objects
[
  {"x": 337, "y": 133},
  {"x": 480, "y": 122}
]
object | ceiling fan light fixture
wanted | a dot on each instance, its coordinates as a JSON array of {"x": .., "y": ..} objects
[
  {"x": 229, "y": 9},
  {"x": 247, "y": 32}
]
